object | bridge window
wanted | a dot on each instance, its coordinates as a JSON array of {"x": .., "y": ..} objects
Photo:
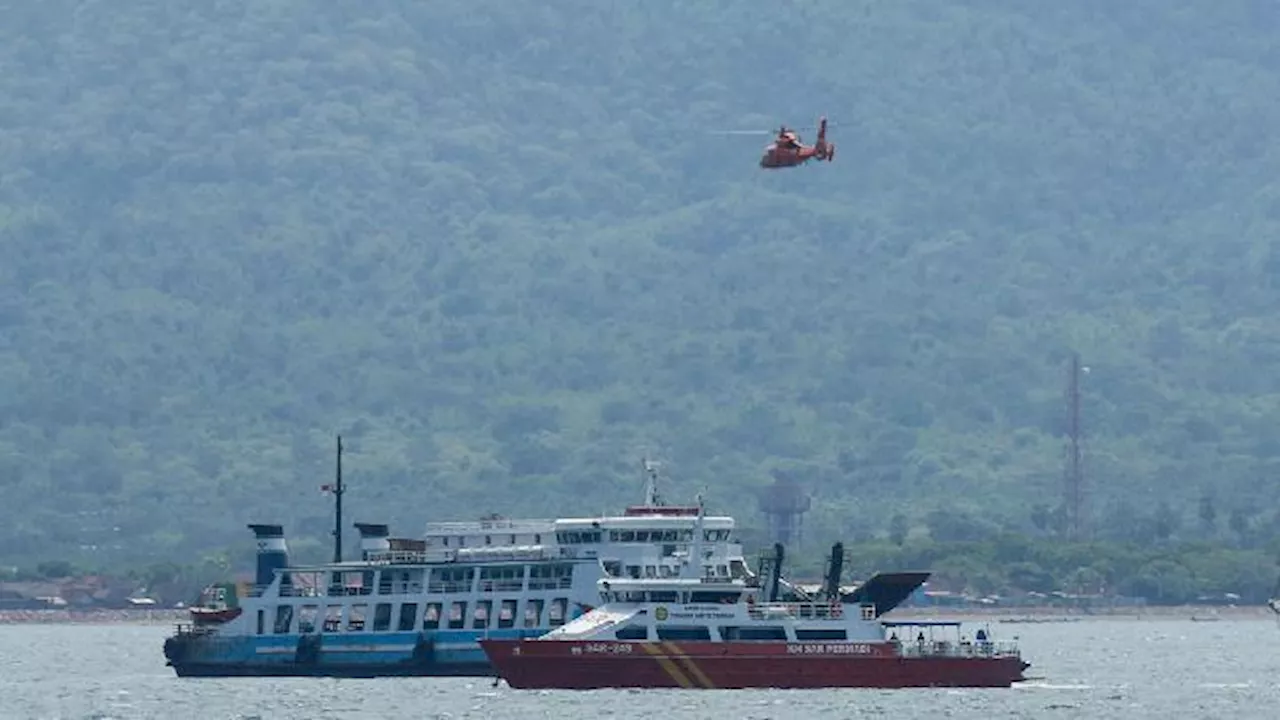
[
  {"x": 683, "y": 632},
  {"x": 408, "y": 617}
]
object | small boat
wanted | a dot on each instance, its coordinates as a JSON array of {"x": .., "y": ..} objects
[
  {"x": 699, "y": 631},
  {"x": 219, "y": 603}
]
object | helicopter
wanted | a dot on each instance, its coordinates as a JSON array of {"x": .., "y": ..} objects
[{"x": 787, "y": 150}]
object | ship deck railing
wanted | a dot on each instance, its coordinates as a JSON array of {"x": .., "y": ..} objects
[
  {"x": 963, "y": 649},
  {"x": 191, "y": 629},
  {"x": 803, "y": 611},
  {"x": 472, "y": 526}
]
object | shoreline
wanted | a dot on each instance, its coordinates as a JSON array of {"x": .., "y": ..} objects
[
  {"x": 1045, "y": 614},
  {"x": 1030, "y": 614},
  {"x": 95, "y": 616}
]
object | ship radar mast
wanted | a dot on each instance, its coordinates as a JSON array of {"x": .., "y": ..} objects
[
  {"x": 693, "y": 563},
  {"x": 651, "y": 498}
]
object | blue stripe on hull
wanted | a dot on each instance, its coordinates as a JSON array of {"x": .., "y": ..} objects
[
  {"x": 439, "y": 653},
  {"x": 339, "y": 671}
]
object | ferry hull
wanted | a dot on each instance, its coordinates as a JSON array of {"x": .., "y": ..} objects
[
  {"x": 583, "y": 665},
  {"x": 337, "y": 670},
  {"x": 454, "y": 654}
]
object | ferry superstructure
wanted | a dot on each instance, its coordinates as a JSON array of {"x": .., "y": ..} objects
[
  {"x": 419, "y": 606},
  {"x": 706, "y": 632}
]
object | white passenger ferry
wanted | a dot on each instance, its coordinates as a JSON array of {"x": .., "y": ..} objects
[{"x": 420, "y": 606}]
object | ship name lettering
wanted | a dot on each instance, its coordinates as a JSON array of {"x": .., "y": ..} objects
[
  {"x": 610, "y": 648},
  {"x": 829, "y": 649}
]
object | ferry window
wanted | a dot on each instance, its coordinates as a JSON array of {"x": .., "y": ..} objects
[
  {"x": 633, "y": 571},
  {"x": 507, "y": 615},
  {"x": 513, "y": 539},
  {"x": 307, "y": 618},
  {"x": 821, "y": 634},
  {"x": 686, "y": 536},
  {"x": 628, "y": 536},
  {"x": 663, "y": 596},
  {"x": 284, "y": 618},
  {"x": 408, "y": 617},
  {"x": 457, "y": 615},
  {"x": 722, "y": 570},
  {"x": 766, "y": 632},
  {"x": 613, "y": 568},
  {"x": 684, "y": 632},
  {"x": 503, "y": 578},
  {"x": 737, "y": 569},
  {"x": 332, "y": 618},
  {"x": 431, "y": 618},
  {"x": 650, "y": 571},
  {"x": 488, "y": 540},
  {"x": 614, "y": 536},
  {"x": 642, "y": 536},
  {"x": 633, "y": 632},
  {"x": 356, "y": 616},
  {"x": 446, "y": 541},
  {"x": 262, "y": 621},
  {"x": 670, "y": 536},
  {"x": 537, "y": 539},
  {"x": 555, "y": 616},
  {"x": 382, "y": 617},
  {"x": 481, "y": 617},
  {"x": 450, "y": 580},
  {"x": 724, "y": 597},
  {"x": 533, "y": 613}
]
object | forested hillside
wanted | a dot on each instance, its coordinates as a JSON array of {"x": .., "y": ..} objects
[{"x": 502, "y": 249}]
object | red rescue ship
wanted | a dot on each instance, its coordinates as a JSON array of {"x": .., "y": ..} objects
[{"x": 702, "y": 631}]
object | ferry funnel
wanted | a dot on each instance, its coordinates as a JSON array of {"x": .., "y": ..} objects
[
  {"x": 373, "y": 539},
  {"x": 273, "y": 554}
]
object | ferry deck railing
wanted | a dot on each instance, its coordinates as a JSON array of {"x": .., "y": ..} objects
[
  {"x": 962, "y": 649},
  {"x": 806, "y": 611}
]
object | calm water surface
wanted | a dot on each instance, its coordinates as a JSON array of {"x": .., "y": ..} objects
[{"x": 1091, "y": 669}]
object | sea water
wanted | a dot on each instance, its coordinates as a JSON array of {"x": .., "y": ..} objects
[{"x": 1103, "y": 668}]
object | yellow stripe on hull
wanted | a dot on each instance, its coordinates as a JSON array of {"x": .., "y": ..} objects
[
  {"x": 690, "y": 665},
  {"x": 667, "y": 664}
]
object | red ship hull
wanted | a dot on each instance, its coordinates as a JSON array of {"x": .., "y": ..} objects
[{"x": 582, "y": 665}]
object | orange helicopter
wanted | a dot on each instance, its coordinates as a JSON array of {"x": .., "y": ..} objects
[{"x": 787, "y": 151}]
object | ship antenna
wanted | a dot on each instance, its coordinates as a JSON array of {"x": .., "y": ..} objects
[
  {"x": 338, "y": 489},
  {"x": 695, "y": 549},
  {"x": 651, "y": 498}
]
